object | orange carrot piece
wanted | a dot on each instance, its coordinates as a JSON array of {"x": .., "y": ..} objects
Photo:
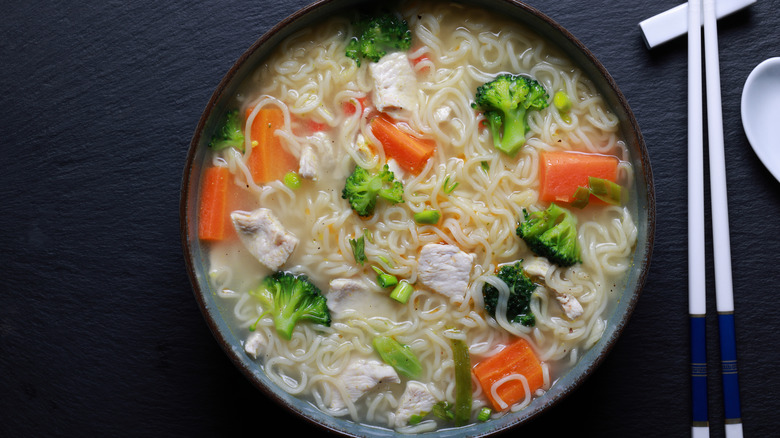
[
  {"x": 516, "y": 358},
  {"x": 350, "y": 108},
  {"x": 411, "y": 152},
  {"x": 562, "y": 172},
  {"x": 212, "y": 211},
  {"x": 269, "y": 160}
]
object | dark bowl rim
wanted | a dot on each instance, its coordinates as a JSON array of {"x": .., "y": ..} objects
[{"x": 644, "y": 258}]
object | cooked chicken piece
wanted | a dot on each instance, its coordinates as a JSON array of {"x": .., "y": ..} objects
[
  {"x": 349, "y": 297},
  {"x": 395, "y": 84},
  {"x": 415, "y": 400},
  {"x": 361, "y": 376},
  {"x": 445, "y": 269},
  {"x": 264, "y": 236},
  {"x": 539, "y": 267},
  {"x": 255, "y": 344}
]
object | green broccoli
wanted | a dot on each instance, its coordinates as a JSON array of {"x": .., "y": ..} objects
[
  {"x": 229, "y": 134},
  {"x": 290, "y": 298},
  {"x": 362, "y": 189},
  {"x": 505, "y": 102},
  {"x": 551, "y": 233},
  {"x": 518, "y": 309},
  {"x": 374, "y": 36}
]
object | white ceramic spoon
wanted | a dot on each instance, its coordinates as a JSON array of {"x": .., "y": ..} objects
[{"x": 761, "y": 113}]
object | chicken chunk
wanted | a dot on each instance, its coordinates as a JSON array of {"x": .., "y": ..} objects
[
  {"x": 347, "y": 297},
  {"x": 415, "y": 400},
  {"x": 264, "y": 236},
  {"x": 445, "y": 269},
  {"x": 255, "y": 344},
  {"x": 538, "y": 267},
  {"x": 395, "y": 84},
  {"x": 361, "y": 376}
]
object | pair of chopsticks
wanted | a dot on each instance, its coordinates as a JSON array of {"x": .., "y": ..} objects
[{"x": 720, "y": 226}]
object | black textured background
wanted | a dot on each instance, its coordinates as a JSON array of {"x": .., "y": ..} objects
[{"x": 99, "y": 332}]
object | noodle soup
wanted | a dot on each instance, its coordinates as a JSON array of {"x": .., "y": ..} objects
[{"x": 277, "y": 201}]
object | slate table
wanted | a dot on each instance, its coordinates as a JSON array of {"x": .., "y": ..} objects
[{"x": 99, "y": 332}]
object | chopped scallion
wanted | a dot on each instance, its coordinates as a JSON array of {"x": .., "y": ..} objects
[
  {"x": 292, "y": 180},
  {"x": 358, "y": 249},
  {"x": 402, "y": 291},
  {"x": 484, "y": 413},
  {"x": 447, "y": 187},
  {"x": 427, "y": 217},
  {"x": 384, "y": 279}
]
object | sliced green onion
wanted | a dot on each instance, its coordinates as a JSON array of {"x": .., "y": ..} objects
[
  {"x": 292, "y": 180},
  {"x": 581, "y": 197},
  {"x": 358, "y": 249},
  {"x": 417, "y": 418},
  {"x": 606, "y": 190},
  {"x": 427, "y": 217},
  {"x": 462, "y": 409},
  {"x": 384, "y": 279},
  {"x": 401, "y": 357},
  {"x": 447, "y": 187},
  {"x": 369, "y": 235},
  {"x": 561, "y": 101},
  {"x": 443, "y": 410},
  {"x": 402, "y": 291},
  {"x": 385, "y": 260},
  {"x": 485, "y": 166},
  {"x": 484, "y": 413}
]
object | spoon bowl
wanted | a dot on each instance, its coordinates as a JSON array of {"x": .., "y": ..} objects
[{"x": 760, "y": 115}]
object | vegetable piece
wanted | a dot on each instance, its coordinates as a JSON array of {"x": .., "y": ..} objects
[
  {"x": 362, "y": 189},
  {"x": 443, "y": 409},
  {"x": 350, "y": 108},
  {"x": 562, "y": 172},
  {"x": 563, "y": 105},
  {"x": 212, "y": 211},
  {"x": 518, "y": 358},
  {"x": 462, "y": 408},
  {"x": 409, "y": 151},
  {"x": 292, "y": 180},
  {"x": 505, "y": 102},
  {"x": 427, "y": 217},
  {"x": 604, "y": 190},
  {"x": 269, "y": 160},
  {"x": 561, "y": 101},
  {"x": 384, "y": 279},
  {"x": 402, "y": 291},
  {"x": 484, "y": 413},
  {"x": 230, "y": 133},
  {"x": 448, "y": 188},
  {"x": 518, "y": 308},
  {"x": 551, "y": 233},
  {"x": 375, "y": 35},
  {"x": 290, "y": 299},
  {"x": 400, "y": 357},
  {"x": 358, "y": 249}
]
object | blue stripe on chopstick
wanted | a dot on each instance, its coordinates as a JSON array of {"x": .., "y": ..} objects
[
  {"x": 728, "y": 358},
  {"x": 699, "y": 370}
]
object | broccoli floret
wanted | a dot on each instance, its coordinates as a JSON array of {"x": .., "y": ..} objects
[
  {"x": 551, "y": 233},
  {"x": 375, "y": 35},
  {"x": 290, "y": 298},
  {"x": 505, "y": 102},
  {"x": 363, "y": 188},
  {"x": 518, "y": 309},
  {"x": 229, "y": 134}
]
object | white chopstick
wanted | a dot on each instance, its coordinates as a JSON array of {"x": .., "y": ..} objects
[
  {"x": 720, "y": 225},
  {"x": 696, "y": 252}
]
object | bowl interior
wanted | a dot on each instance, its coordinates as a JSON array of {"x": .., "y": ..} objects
[{"x": 213, "y": 308}]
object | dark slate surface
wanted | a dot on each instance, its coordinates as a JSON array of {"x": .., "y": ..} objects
[{"x": 99, "y": 332}]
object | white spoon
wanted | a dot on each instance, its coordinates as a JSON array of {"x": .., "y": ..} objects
[{"x": 761, "y": 113}]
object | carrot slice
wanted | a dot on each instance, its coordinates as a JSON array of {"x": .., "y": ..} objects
[
  {"x": 562, "y": 172},
  {"x": 411, "y": 152},
  {"x": 517, "y": 358},
  {"x": 212, "y": 211},
  {"x": 269, "y": 160}
]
